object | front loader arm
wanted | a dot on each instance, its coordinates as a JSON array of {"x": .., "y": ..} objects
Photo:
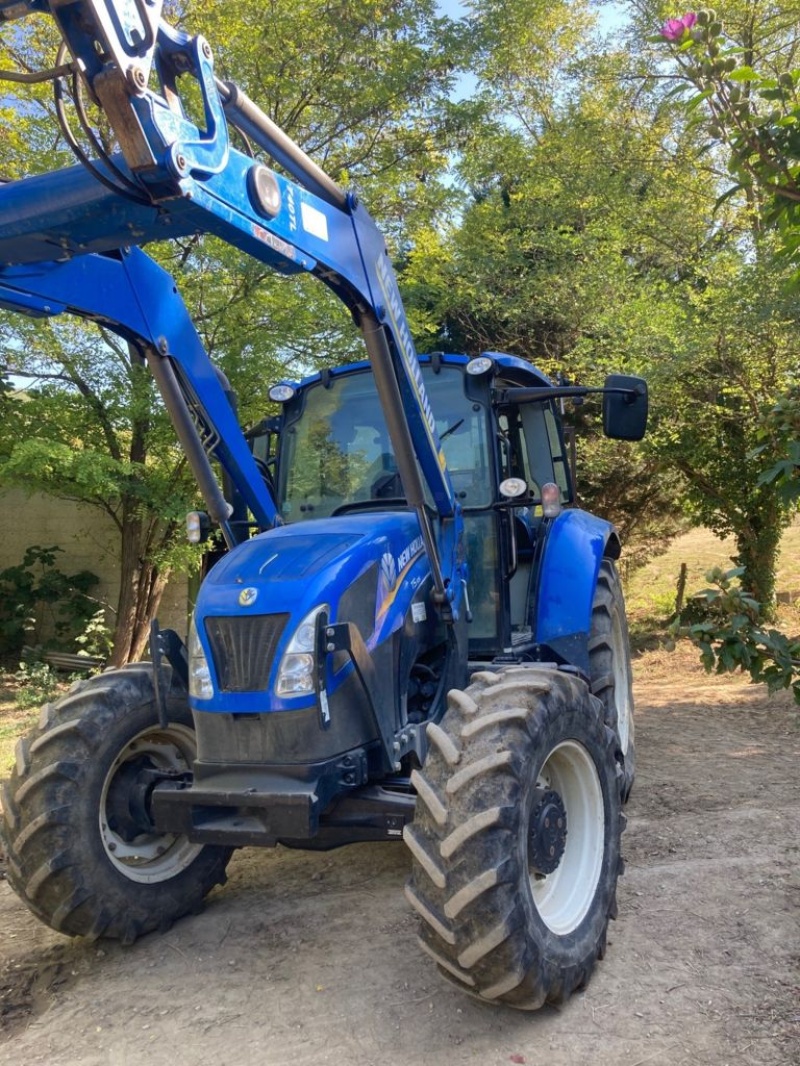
[
  {"x": 132, "y": 295},
  {"x": 171, "y": 178}
]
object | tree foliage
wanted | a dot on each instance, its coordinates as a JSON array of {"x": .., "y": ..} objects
[
  {"x": 733, "y": 635},
  {"x": 737, "y": 356},
  {"x": 40, "y": 604},
  {"x": 364, "y": 88},
  {"x": 740, "y": 84},
  {"x": 581, "y": 236},
  {"x": 594, "y": 237}
]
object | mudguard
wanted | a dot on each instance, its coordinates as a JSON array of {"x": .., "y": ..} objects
[{"x": 575, "y": 544}]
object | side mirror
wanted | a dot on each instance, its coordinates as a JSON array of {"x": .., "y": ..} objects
[
  {"x": 625, "y": 407},
  {"x": 260, "y": 437}
]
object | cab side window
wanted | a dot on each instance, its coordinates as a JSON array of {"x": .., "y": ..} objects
[{"x": 534, "y": 430}]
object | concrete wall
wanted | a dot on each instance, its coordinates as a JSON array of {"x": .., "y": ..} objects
[{"x": 89, "y": 540}]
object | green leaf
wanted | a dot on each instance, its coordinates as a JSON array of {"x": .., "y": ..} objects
[
  {"x": 695, "y": 101},
  {"x": 728, "y": 194},
  {"x": 744, "y": 74}
]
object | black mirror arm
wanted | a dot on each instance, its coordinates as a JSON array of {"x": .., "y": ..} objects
[{"x": 555, "y": 392}]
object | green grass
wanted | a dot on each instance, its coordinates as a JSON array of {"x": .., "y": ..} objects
[
  {"x": 15, "y": 721},
  {"x": 650, "y": 593},
  {"x": 13, "y": 724}
]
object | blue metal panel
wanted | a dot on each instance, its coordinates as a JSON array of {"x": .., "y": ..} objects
[
  {"x": 573, "y": 552},
  {"x": 55, "y": 216},
  {"x": 16, "y": 8},
  {"x": 519, "y": 370},
  {"x": 294, "y": 569}
]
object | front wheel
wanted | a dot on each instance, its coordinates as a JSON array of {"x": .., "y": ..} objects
[
  {"x": 516, "y": 837},
  {"x": 82, "y": 851}
]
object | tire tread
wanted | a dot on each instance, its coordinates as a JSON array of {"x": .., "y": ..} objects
[
  {"x": 56, "y": 861},
  {"x": 465, "y": 883}
]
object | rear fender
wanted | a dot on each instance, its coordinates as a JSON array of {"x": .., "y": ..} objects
[{"x": 575, "y": 545}]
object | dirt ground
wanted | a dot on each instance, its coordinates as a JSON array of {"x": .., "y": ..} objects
[{"x": 305, "y": 959}]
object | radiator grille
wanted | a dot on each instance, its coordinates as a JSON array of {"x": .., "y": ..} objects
[{"x": 243, "y": 649}]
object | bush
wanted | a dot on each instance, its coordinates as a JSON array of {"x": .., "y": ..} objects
[
  {"x": 38, "y": 684},
  {"x": 41, "y": 605},
  {"x": 97, "y": 639},
  {"x": 732, "y": 635}
]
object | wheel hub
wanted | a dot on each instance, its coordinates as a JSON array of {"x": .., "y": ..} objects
[
  {"x": 547, "y": 835},
  {"x": 129, "y": 799},
  {"x": 127, "y": 807}
]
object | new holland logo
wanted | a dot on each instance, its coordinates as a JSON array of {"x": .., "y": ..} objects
[
  {"x": 388, "y": 571},
  {"x": 247, "y": 597}
]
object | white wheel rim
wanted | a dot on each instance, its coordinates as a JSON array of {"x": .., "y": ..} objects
[
  {"x": 150, "y": 857},
  {"x": 563, "y": 897},
  {"x": 622, "y": 684}
]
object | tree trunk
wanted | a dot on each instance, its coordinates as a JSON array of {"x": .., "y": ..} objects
[
  {"x": 757, "y": 546},
  {"x": 143, "y": 534},
  {"x": 142, "y": 584}
]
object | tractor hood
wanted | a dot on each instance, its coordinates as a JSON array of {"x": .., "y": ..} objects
[{"x": 364, "y": 567}]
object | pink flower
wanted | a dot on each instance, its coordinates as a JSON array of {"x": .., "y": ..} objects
[{"x": 674, "y": 29}]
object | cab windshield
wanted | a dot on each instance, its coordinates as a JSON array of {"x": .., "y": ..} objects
[{"x": 338, "y": 451}]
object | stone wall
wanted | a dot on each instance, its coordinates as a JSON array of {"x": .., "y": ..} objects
[{"x": 89, "y": 540}]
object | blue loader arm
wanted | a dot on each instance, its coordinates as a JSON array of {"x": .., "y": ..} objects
[{"x": 172, "y": 178}]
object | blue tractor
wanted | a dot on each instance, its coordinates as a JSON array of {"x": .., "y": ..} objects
[{"x": 412, "y": 633}]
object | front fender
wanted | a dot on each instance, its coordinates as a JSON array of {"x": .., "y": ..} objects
[{"x": 576, "y": 543}]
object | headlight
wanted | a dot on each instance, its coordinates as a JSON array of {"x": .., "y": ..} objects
[
  {"x": 296, "y": 673},
  {"x": 200, "y": 685}
]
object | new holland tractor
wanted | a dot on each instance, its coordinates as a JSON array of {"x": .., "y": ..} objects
[{"x": 412, "y": 633}]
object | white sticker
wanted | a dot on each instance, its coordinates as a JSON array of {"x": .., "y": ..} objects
[
  {"x": 418, "y": 612},
  {"x": 314, "y": 222},
  {"x": 323, "y": 703}
]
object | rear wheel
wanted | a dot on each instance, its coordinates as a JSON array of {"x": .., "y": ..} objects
[
  {"x": 610, "y": 667},
  {"x": 83, "y": 853},
  {"x": 516, "y": 837}
]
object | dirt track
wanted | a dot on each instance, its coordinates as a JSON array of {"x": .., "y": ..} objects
[{"x": 305, "y": 959}]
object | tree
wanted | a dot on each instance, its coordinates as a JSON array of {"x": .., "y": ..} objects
[
  {"x": 738, "y": 356},
  {"x": 590, "y": 242},
  {"x": 579, "y": 236},
  {"x": 89, "y": 430},
  {"x": 742, "y": 83},
  {"x": 743, "y": 93}
]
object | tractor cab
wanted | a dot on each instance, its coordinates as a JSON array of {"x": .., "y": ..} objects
[{"x": 335, "y": 458}]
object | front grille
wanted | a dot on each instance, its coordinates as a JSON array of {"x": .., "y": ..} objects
[{"x": 243, "y": 649}]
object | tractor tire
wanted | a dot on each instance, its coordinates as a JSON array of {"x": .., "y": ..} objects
[
  {"x": 80, "y": 852},
  {"x": 610, "y": 668},
  {"x": 516, "y": 837}
]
